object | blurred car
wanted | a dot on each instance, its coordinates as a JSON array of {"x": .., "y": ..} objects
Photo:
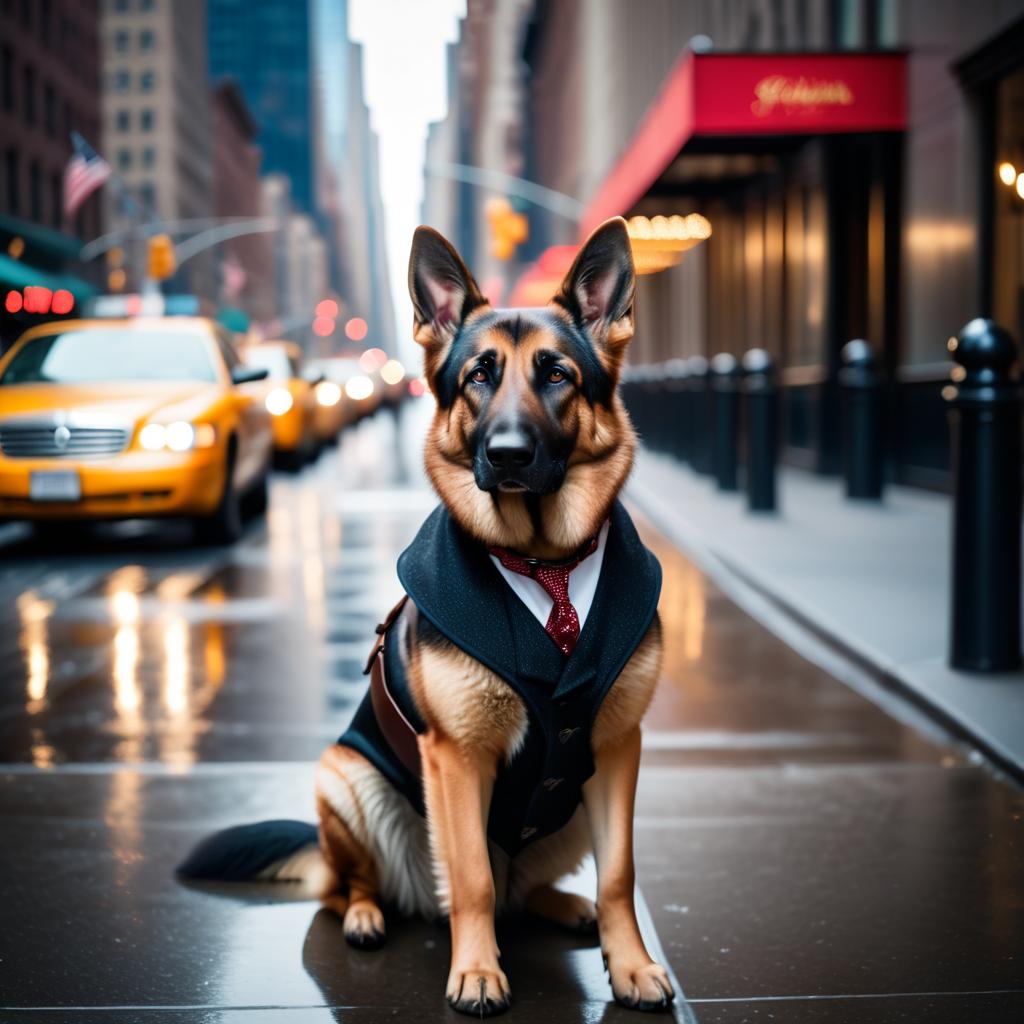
[
  {"x": 289, "y": 398},
  {"x": 119, "y": 419},
  {"x": 345, "y": 394}
]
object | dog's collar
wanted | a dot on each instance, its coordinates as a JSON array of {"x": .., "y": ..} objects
[{"x": 587, "y": 548}]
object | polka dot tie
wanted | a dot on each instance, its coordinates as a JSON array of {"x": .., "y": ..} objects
[{"x": 563, "y": 625}]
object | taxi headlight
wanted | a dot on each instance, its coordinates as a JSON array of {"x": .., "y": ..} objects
[
  {"x": 278, "y": 401},
  {"x": 179, "y": 436},
  {"x": 328, "y": 393},
  {"x": 153, "y": 437}
]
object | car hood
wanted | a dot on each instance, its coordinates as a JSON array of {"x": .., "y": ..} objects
[{"x": 125, "y": 403}]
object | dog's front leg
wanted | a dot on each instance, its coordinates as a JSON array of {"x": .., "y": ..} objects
[
  {"x": 609, "y": 796},
  {"x": 457, "y": 787}
]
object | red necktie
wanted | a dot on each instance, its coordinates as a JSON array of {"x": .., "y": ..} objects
[{"x": 563, "y": 625}]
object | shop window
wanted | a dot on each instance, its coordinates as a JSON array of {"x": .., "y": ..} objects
[{"x": 1008, "y": 208}]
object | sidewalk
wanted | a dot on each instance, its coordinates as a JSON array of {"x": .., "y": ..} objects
[{"x": 873, "y": 579}]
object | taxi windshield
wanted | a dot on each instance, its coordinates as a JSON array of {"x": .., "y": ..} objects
[
  {"x": 89, "y": 355},
  {"x": 270, "y": 358}
]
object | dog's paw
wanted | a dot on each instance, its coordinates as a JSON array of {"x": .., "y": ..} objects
[
  {"x": 364, "y": 925},
  {"x": 642, "y": 986},
  {"x": 482, "y": 993}
]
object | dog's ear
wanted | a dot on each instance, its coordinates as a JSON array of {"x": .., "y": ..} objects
[
  {"x": 443, "y": 291},
  {"x": 600, "y": 288}
]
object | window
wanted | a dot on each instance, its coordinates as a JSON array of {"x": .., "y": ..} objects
[
  {"x": 28, "y": 88},
  {"x": 13, "y": 175},
  {"x": 1008, "y": 206},
  {"x": 147, "y": 196},
  {"x": 56, "y": 201},
  {"x": 50, "y": 110},
  {"x": 121, "y": 41},
  {"x": 35, "y": 191},
  {"x": 124, "y": 120},
  {"x": 146, "y": 120},
  {"x": 147, "y": 40},
  {"x": 121, "y": 6},
  {"x": 147, "y": 5},
  {"x": 6, "y": 77},
  {"x": 148, "y": 156},
  {"x": 124, "y": 159},
  {"x": 122, "y": 80},
  {"x": 147, "y": 81}
]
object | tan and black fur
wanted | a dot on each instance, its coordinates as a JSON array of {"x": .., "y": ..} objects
[{"x": 529, "y": 446}]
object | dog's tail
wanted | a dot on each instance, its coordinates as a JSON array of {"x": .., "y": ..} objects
[{"x": 267, "y": 851}]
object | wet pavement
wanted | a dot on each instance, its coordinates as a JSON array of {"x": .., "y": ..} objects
[{"x": 803, "y": 855}]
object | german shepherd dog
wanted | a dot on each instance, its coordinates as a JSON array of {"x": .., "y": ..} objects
[{"x": 528, "y": 449}]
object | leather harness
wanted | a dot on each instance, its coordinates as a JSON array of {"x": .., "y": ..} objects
[{"x": 397, "y": 729}]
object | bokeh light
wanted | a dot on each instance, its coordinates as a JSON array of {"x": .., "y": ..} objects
[
  {"x": 392, "y": 371},
  {"x": 323, "y": 326},
  {"x": 356, "y": 329},
  {"x": 327, "y": 308}
]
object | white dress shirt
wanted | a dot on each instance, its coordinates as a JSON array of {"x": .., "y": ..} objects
[{"x": 582, "y": 584}]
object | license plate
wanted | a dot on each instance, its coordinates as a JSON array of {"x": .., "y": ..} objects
[{"x": 55, "y": 485}]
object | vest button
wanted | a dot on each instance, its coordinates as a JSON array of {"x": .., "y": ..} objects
[{"x": 567, "y": 734}]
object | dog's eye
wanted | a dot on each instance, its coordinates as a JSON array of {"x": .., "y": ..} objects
[
  {"x": 557, "y": 375},
  {"x": 479, "y": 376}
]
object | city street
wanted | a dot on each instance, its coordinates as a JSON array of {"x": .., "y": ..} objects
[{"x": 802, "y": 854}]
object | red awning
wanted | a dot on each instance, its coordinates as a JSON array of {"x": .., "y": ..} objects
[{"x": 712, "y": 94}]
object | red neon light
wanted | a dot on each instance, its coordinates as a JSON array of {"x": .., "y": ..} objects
[
  {"x": 13, "y": 302},
  {"x": 37, "y": 299},
  {"x": 63, "y": 302},
  {"x": 327, "y": 308}
]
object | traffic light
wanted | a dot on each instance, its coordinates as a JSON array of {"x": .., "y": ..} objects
[
  {"x": 508, "y": 228},
  {"x": 162, "y": 261}
]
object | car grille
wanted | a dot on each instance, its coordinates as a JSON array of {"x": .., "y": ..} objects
[{"x": 25, "y": 442}]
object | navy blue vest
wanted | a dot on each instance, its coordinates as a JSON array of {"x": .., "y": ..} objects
[{"x": 459, "y": 592}]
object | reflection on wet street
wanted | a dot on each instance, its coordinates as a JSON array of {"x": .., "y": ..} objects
[{"x": 803, "y": 854}]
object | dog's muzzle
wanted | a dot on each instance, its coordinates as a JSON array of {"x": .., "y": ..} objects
[{"x": 511, "y": 460}]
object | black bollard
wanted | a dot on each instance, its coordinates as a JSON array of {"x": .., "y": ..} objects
[
  {"x": 762, "y": 411},
  {"x": 725, "y": 383},
  {"x": 674, "y": 387},
  {"x": 699, "y": 413},
  {"x": 986, "y": 433},
  {"x": 862, "y": 421}
]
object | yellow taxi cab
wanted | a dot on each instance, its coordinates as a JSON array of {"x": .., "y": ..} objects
[
  {"x": 290, "y": 399},
  {"x": 120, "y": 419}
]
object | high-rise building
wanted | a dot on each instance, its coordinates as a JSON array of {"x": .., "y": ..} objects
[
  {"x": 247, "y": 269},
  {"x": 267, "y": 48},
  {"x": 156, "y": 124},
  {"x": 49, "y": 87}
]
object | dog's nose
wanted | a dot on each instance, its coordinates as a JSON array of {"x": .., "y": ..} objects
[{"x": 510, "y": 449}]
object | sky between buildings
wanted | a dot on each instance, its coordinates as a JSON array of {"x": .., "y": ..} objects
[{"x": 404, "y": 65}]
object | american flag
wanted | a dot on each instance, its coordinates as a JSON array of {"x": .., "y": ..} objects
[{"x": 86, "y": 171}]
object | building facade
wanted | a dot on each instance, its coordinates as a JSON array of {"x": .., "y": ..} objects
[
  {"x": 898, "y": 230},
  {"x": 156, "y": 123},
  {"x": 248, "y": 280},
  {"x": 49, "y": 87}
]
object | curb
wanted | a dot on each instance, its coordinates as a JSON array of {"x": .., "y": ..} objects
[{"x": 738, "y": 583}]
